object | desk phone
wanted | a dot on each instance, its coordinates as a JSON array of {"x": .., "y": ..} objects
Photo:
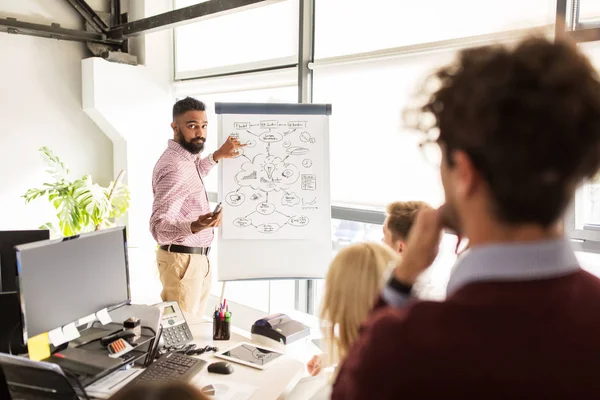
[{"x": 176, "y": 331}]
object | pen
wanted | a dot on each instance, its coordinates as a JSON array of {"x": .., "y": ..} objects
[{"x": 224, "y": 303}]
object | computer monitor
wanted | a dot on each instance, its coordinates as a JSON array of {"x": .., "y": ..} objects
[
  {"x": 8, "y": 258},
  {"x": 62, "y": 281}
]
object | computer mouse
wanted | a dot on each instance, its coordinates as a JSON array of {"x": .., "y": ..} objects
[{"x": 221, "y": 367}]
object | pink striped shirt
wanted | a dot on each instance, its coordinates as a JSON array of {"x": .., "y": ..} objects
[{"x": 180, "y": 197}]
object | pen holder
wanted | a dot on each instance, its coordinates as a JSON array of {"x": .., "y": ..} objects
[{"x": 221, "y": 329}]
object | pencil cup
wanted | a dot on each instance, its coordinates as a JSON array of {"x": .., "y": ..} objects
[{"x": 221, "y": 329}]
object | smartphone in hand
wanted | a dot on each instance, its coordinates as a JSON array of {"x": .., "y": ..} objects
[{"x": 218, "y": 208}]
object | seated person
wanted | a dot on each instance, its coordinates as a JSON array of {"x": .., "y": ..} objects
[
  {"x": 518, "y": 131},
  {"x": 353, "y": 281},
  {"x": 160, "y": 391},
  {"x": 400, "y": 218}
]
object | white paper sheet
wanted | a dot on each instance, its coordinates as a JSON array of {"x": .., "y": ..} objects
[
  {"x": 103, "y": 316},
  {"x": 274, "y": 188},
  {"x": 70, "y": 332},
  {"x": 86, "y": 320},
  {"x": 56, "y": 337}
]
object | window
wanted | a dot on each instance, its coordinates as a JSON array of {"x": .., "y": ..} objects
[
  {"x": 345, "y": 27},
  {"x": 261, "y": 37},
  {"x": 431, "y": 285},
  {"x": 584, "y": 221},
  {"x": 589, "y": 10},
  {"x": 374, "y": 160}
]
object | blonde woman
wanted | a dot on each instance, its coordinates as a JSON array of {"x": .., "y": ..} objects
[{"x": 352, "y": 285}]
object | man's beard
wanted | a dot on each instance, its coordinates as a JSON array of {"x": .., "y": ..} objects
[{"x": 195, "y": 146}]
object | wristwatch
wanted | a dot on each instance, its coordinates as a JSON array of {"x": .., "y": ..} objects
[{"x": 399, "y": 286}]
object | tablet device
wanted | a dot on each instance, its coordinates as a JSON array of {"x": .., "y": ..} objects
[{"x": 251, "y": 355}]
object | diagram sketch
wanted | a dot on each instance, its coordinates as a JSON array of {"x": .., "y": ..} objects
[{"x": 271, "y": 188}]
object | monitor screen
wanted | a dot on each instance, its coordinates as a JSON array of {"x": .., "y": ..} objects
[
  {"x": 8, "y": 254},
  {"x": 64, "y": 280}
]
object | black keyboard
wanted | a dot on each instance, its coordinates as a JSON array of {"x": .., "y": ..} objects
[{"x": 170, "y": 367}]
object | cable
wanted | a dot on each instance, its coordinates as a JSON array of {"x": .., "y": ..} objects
[
  {"x": 10, "y": 338},
  {"x": 188, "y": 350},
  {"x": 73, "y": 376}
]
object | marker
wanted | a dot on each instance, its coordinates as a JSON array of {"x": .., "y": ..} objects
[{"x": 224, "y": 303}]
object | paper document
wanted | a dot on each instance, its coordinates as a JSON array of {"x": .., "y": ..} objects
[
  {"x": 57, "y": 337},
  {"x": 86, "y": 320},
  {"x": 103, "y": 316},
  {"x": 38, "y": 347},
  {"x": 70, "y": 332},
  {"x": 222, "y": 390}
]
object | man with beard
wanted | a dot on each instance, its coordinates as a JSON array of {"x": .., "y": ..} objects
[
  {"x": 182, "y": 222},
  {"x": 518, "y": 130}
]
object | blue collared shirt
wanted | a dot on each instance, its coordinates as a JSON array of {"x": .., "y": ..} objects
[{"x": 504, "y": 262}]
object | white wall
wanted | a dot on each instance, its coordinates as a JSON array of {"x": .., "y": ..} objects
[{"x": 40, "y": 104}]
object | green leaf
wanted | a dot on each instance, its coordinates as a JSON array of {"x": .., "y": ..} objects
[
  {"x": 120, "y": 201},
  {"x": 93, "y": 199},
  {"x": 69, "y": 216},
  {"x": 56, "y": 168},
  {"x": 81, "y": 205}
]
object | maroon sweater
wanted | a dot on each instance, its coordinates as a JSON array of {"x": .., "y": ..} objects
[{"x": 501, "y": 340}]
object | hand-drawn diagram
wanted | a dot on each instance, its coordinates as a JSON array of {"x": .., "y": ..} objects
[{"x": 268, "y": 192}]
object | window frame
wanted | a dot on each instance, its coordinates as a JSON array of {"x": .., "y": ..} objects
[{"x": 300, "y": 70}]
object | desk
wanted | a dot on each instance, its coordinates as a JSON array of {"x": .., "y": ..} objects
[{"x": 274, "y": 382}]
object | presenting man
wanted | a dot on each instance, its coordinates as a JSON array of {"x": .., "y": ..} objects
[
  {"x": 519, "y": 130},
  {"x": 182, "y": 222}
]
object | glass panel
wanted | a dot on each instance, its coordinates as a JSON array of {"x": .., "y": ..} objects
[
  {"x": 431, "y": 285},
  {"x": 354, "y": 26},
  {"x": 589, "y": 10},
  {"x": 256, "y": 35},
  {"x": 589, "y": 203},
  {"x": 374, "y": 159}
]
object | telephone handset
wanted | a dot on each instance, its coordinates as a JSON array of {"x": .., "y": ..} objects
[{"x": 175, "y": 332}]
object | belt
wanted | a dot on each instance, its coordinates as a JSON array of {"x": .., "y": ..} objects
[{"x": 176, "y": 248}]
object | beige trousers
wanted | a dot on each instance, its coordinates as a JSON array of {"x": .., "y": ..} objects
[{"x": 185, "y": 278}]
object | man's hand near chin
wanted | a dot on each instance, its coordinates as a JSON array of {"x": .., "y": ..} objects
[{"x": 422, "y": 246}]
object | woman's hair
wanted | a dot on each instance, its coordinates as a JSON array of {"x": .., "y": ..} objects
[
  {"x": 352, "y": 284},
  {"x": 160, "y": 391}
]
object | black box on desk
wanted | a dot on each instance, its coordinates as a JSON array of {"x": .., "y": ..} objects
[{"x": 280, "y": 328}]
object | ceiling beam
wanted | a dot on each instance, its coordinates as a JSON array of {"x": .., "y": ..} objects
[
  {"x": 53, "y": 31},
  {"x": 95, "y": 22},
  {"x": 194, "y": 13}
]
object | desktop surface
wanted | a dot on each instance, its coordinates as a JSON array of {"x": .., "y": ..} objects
[{"x": 272, "y": 383}]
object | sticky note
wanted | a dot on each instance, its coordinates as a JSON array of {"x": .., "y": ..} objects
[
  {"x": 70, "y": 332},
  {"x": 38, "y": 347},
  {"x": 103, "y": 316},
  {"x": 56, "y": 337},
  {"x": 86, "y": 320}
]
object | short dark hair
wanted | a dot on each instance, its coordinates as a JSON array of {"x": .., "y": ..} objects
[
  {"x": 528, "y": 117},
  {"x": 187, "y": 104},
  {"x": 401, "y": 216}
]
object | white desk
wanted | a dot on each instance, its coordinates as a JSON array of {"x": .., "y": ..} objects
[{"x": 274, "y": 382}]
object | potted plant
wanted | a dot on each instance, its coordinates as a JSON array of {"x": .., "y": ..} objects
[{"x": 81, "y": 205}]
